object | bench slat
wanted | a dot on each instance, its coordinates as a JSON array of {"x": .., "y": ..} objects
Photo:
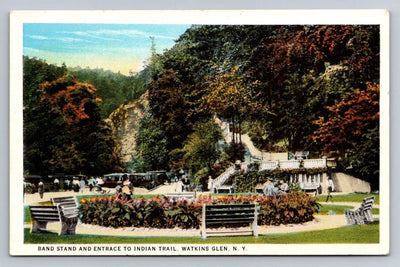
[
  {"x": 229, "y": 215},
  {"x": 230, "y": 232},
  {"x": 229, "y": 206},
  {"x": 230, "y": 212}
]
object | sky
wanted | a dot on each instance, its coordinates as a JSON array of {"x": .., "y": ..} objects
[{"x": 117, "y": 47}]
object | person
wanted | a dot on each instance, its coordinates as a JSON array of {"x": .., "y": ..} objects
[
  {"x": 330, "y": 187},
  {"x": 210, "y": 186},
  {"x": 118, "y": 188},
  {"x": 41, "y": 188},
  {"x": 56, "y": 184},
  {"x": 126, "y": 180},
  {"x": 91, "y": 183},
  {"x": 67, "y": 185},
  {"x": 179, "y": 186},
  {"x": 284, "y": 187},
  {"x": 268, "y": 188},
  {"x": 75, "y": 185},
  {"x": 82, "y": 184}
]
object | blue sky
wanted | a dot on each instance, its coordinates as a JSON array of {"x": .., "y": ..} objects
[{"x": 116, "y": 47}]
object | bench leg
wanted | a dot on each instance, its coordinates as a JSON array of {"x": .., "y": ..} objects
[
  {"x": 68, "y": 226},
  {"x": 255, "y": 230},
  {"x": 203, "y": 234},
  {"x": 38, "y": 226},
  {"x": 368, "y": 218}
]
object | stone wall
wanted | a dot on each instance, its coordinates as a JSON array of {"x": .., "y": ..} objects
[
  {"x": 125, "y": 122},
  {"x": 347, "y": 184}
]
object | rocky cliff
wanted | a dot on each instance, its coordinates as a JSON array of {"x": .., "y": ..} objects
[{"x": 124, "y": 122}]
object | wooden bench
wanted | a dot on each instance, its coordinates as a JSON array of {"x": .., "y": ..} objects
[
  {"x": 65, "y": 201},
  {"x": 229, "y": 215},
  {"x": 64, "y": 210},
  {"x": 183, "y": 195},
  {"x": 363, "y": 214}
]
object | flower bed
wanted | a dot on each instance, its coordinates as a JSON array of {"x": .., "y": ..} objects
[{"x": 162, "y": 212}]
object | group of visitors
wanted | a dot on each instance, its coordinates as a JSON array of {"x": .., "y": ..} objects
[{"x": 269, "y": 187}]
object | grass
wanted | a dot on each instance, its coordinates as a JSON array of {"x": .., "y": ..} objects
[
  {"x": 350, "y": 234},
  {"x": 349, "y": 198},
  {"x": 338, "y": 209}
]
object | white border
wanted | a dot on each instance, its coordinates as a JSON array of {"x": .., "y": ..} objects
[{"x": 281, "y": 17}]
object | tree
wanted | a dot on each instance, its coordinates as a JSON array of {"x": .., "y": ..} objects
[
  {"x": 69, "y": 136},
  {"x": 293, "y": 67},
  {"x": 229, "y": 97},
  {"x": 201, "y": 146},
  {"x": 151, "y": 146},
  {"x": 352, "y": 132},
  {"x": 113, "y": 88}
]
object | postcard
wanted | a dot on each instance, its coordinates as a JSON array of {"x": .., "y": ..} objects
[{"x": 229, "y": 132}]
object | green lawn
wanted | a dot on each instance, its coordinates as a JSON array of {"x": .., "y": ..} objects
[
  {"x": 350, "y": 234},
  {"x": 349, "y": 198},
  {"x": 338, "y": 209}
]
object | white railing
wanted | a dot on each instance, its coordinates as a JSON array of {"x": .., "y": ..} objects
[
  {"x": 289, "y": 164},
  {"x": 314, "y": 163},
  {"x": 220, "y": 180},
  {"x": 269, "y": 165}
]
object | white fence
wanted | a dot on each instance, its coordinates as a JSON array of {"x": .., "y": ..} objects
[
  {"x": 290, "y": 164},
  {"x": 293, "y": 164},
  {"x": 269, "y": 165},
  {"x": 314, "y": 163}
]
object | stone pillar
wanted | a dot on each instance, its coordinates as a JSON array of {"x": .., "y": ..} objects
[{"x": 324, "y": 178}]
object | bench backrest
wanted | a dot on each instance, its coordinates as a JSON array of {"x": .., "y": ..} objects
[
  {"x": 44, "y": 213},
  {"x": 65, "y": 201},
  {"x": 227, "y": 214},
  {"x": 367, "y": 203},
  {"x": 181, "y": 195}
]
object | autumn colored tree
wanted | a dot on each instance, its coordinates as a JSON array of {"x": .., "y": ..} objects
[
  {"x": 230, "y": 98},
  {"x": 352, "y": 132},
  {"x": 350, "y": 118},
  {"x": 71, "y": 136}
]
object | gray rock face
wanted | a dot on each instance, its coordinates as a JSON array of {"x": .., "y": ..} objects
[{"x": 124, "y": 122}]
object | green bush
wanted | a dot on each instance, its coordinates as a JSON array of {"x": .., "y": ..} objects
[{"x": 247, "y": 181}]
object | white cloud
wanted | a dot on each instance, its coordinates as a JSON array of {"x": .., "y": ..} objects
[
  {"x": 101, "y": 34},
  {"x": 38, "y": 37},
  {"x": 91, "y": 34},
  {"x": 30, "y": 50},
  {"x": 62, "y": 39}
]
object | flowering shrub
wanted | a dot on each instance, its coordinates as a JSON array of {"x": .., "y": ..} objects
[
  {"x": 247, "y": 181},
  {"x": 162, "y": 212}
]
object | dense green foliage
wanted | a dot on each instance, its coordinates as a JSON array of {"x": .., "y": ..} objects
[
  {"x": 63, "y": 129},
  {"x": 113, "y": 88},
  {"x": 247, "y": 181},
  {"x": 151, "y": 146}
]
